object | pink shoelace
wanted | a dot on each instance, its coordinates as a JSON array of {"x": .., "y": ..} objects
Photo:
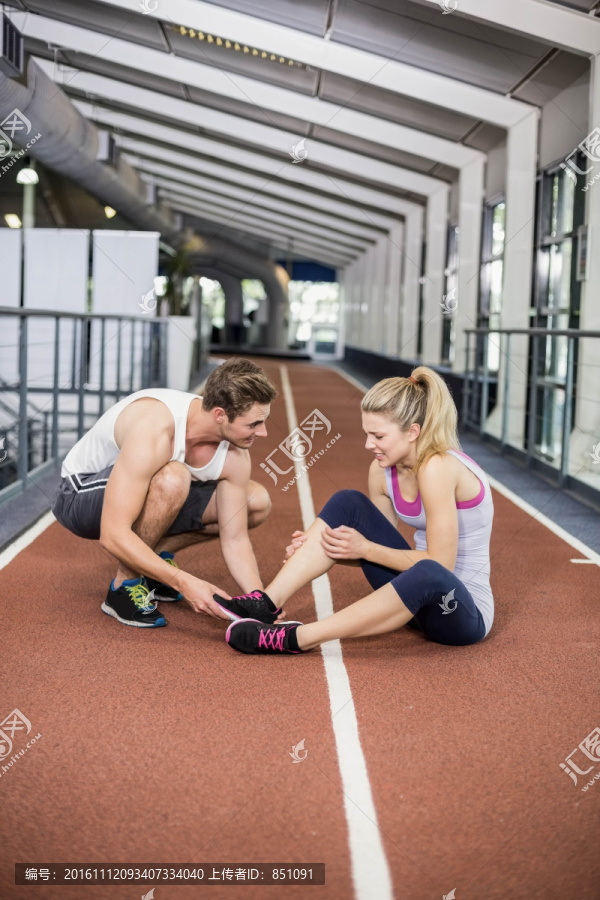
[
  {"x": 254, "y": 595},
  {"x": 271, "y": 640}
]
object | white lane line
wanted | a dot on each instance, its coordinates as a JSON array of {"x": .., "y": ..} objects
[
  {"x": 589, "y": 562},
  {"x": 591, "y": 555},
  {"x": 370, "y": 870},
  {"x": 27, "y": 538}
]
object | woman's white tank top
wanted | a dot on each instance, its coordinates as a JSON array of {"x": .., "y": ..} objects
[
  {"x": 97, "y": 449},
  {"x": 474, "y": 530}
]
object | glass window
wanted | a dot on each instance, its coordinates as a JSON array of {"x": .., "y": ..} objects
[
  {"x": 450, "y": 295},
  {"x": 492, "y": 276},
  {"x": 557, "y": 299}
]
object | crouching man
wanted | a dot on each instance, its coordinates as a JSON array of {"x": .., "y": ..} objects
[{"x": 163, "y": 469}]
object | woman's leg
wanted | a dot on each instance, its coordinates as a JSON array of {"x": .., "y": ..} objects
[
  {"x": 445, "y": 607},
  {"x": 349, "y": 508},
  {"x": 308, "y": 562},
  {"x": 377, "y": 613}
]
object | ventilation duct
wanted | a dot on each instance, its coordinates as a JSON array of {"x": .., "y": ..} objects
[
  {"x": 70, "y": 145},
  {"x": 11, "y": 48}
]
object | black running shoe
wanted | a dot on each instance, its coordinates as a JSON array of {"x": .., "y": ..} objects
[
  {"x": 252, "y": 636},
  {"x": 256, "y": 605},
  {"x": 131, "y": 604},
  {"x": 164, "y": 592}
]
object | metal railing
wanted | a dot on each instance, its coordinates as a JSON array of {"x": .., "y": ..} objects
[
  {"x": 550, "y": 363},
  {"x": 142, "y": 364}
]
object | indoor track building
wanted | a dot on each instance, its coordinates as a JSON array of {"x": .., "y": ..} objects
[{"x": 341, "y": 191}]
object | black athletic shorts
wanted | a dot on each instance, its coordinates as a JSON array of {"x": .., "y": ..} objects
[{"x": 77, "y": 504}]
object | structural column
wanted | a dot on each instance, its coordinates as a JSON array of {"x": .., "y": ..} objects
[
  {"x": 377, "y": 298},
  {"x": 436, "y": 229},
  {"x": 407, "y": 348},
  {"x": 521, "y": 163},
  {"x": 586, "y": 432},
  {"x": 393, "y": 289},
  {"x": 470, "y": 201}
]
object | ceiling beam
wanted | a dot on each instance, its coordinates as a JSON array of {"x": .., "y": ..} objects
[
  {"x": 250, "y": 91},
  {"x": 384, "y": 207},
  {"x": 290, "y": 224},
  {"x": 274, "y": 238},
  {"x": 330, "y": 56},
  {"x": 260, "y": 137},
  {"x": 155, "y": 172},
  {"x": 251, "y": 221},
  {"x": 551, "y": 23}
]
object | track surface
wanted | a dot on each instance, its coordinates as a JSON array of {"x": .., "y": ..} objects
[{"x": 165, "y": 746}]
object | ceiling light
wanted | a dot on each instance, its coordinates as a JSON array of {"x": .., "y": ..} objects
[
  {"x": 28, "y": 176},
  {"x": 109, "y": 212},
  {"x": 228, "y": 44},
  {"x": 12, "y": 220}
]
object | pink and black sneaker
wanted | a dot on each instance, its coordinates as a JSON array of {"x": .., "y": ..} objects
[
  {"x": 252, "y": 636},
  {"x": 256, "y": 605}
]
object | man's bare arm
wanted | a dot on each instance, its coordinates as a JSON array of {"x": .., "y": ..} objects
[
  {"x": 145, "y": 447},
  {"x": 232, "y": 514}
]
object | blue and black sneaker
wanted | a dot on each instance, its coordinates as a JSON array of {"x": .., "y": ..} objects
[
  {"x": 163, "y": 591},
  {"x": 131, "y": 604}
]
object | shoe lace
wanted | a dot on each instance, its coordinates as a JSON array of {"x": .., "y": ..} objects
[
  {"x": 171, "y": 562},
  {"x": 139, "y": 594},
  {"x": 271, "y": 638},
  {"x": 253, "y": 595}
]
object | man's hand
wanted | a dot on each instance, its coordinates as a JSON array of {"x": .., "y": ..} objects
[
  {"x": 298, "y": 539},
  {"x": 199, "y": 594},
  {"x": 344, "y": 543}
]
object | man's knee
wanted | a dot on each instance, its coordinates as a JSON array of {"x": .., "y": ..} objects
[
  {"x": 259, "y": 504},
  {"x": 172, "y": 480}
]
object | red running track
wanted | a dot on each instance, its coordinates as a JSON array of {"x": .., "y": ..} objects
[{"x": 165, "y": 746}]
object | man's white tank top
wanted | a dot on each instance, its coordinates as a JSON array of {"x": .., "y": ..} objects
[
  {"x": 474, "y": 529},
  {"x": 97, "y": 449}
]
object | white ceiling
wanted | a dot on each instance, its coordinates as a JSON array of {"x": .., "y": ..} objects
[{"x": 402, "y": 98}]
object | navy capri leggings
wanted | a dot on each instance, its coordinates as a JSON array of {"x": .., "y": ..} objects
[{"x": 422, "y": 587}]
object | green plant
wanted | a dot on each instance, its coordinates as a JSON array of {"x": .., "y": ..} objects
[{"x": 178, "y": 268}]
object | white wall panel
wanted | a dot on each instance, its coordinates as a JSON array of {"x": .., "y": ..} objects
[
  {"x": 10, "y": 295},
  {"x": 55, "y": 278},
  {"x": 124, "y": 265}
]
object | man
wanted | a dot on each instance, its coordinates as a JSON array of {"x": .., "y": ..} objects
[{"x": 161, "y": 470}]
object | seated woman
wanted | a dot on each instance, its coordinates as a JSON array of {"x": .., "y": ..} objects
[{"x": 420, "y": 476}]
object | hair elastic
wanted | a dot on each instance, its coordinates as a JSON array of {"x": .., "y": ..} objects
[{"x": 414, "y": 380}]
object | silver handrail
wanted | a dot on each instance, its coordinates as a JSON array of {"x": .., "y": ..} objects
[
  {"x": 150, "y": 371},
  {"x": 478, "y": 380}
]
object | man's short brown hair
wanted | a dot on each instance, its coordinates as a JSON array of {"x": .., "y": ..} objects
[{"x": 235, "y": 386}]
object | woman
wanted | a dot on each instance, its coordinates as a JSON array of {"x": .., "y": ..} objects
[{"x": 421, "y": 476}]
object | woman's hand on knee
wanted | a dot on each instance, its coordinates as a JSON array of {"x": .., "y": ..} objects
[
  {"x": 344, "y": 543},
  {"x": 298, "y": 539}
]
